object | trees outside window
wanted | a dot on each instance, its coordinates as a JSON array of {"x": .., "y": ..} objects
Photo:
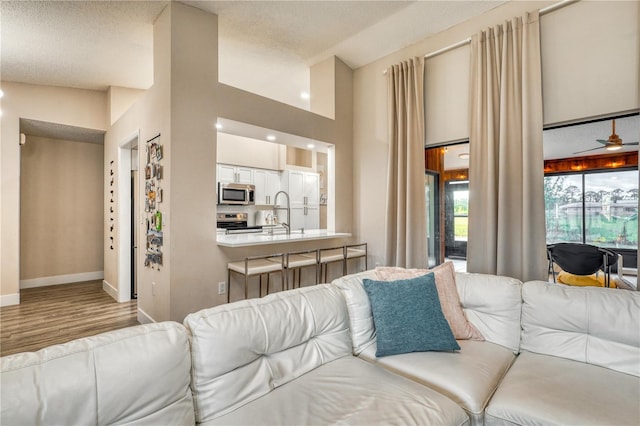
[{"x": 599, "y": 208}]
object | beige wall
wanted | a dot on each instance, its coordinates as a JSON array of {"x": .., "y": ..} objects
[
  {"x": 73, "y": 107},
  {"x": 447, "y": 106},
  {"x": 61, "y": 208},
  {"x": 183, "y": 105},
  {"x": 120, "y": 100},
  {"x": 242, "y": 151}
]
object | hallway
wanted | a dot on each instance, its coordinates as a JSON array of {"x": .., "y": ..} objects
[{"x": 57, "y": 314}]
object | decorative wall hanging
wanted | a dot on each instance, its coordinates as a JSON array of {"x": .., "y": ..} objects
[
  {"x": 153, "y": 197},
  {"x": 112, "y": 225}
]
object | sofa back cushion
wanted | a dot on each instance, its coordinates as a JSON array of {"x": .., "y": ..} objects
[
  {"x": 599, "y": 326},
  {"x": 136, "y": 375},
  {"x": 491, "y": 303},
  {"x": 363, "y": 332},
  {"x": 243, "y": 350}
]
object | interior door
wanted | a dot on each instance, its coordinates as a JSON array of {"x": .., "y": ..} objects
[{"x": 456, "y": 214}]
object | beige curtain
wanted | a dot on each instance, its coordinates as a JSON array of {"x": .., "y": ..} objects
[
  {"x": 405, "y": 219},
  {"x": 506, "y": 200}
]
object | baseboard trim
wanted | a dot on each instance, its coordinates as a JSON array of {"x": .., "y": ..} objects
[
  {"x": 110, "y": 290},
  {"x": 62, "y": 279},
  {"x": 144, "y": 318},
  {"x": 10, "y": 299}
]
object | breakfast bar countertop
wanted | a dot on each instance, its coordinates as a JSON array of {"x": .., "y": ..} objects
[{"x": 261, "y": 238}]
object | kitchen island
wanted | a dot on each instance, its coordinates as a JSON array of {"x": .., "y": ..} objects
[{"x": 263, "y": 238}]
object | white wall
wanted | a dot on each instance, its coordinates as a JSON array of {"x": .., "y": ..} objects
[
  {"x": 608, "y": 89},
  {"x": 73, "y": 107}
]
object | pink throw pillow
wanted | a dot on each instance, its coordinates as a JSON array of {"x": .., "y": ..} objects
[{"x": 449, "y": 300}]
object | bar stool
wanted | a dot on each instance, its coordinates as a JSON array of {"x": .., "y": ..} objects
[
  {"x": 255, "y": 265},
  {"x": 355, "y": 251},
  {"x": 330, "y": 255},
  {"x": 295, "y": 261}
]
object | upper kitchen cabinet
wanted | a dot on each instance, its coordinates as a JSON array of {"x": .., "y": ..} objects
[
  {"x": 234, "y": 174},
  {"x": 267, "y": 184},
  {"x": 304, "y": 195}
]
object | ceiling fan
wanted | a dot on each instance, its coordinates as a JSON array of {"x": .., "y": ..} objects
[{"x": 612, "y": 144}]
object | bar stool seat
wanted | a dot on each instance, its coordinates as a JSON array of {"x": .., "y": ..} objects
[
  {"x": 330, "y": 255},
  {"x": 256, "y": 265},
  {"x": 297, "y": 260},
  {"x": 354, "y": 251}
]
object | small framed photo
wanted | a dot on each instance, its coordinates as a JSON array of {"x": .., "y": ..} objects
[
  {"x": 153, "y": 150},
  {"x": 159, "y": 195},
  {"x": 159, "y": 152}
]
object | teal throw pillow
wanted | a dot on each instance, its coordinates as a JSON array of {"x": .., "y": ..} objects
[{"x": 408, "y": 317}]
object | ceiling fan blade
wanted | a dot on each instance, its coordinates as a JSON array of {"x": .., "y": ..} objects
[
  {"x": 631, "y": 143},
  {"x": 603, "y": 141},
  {"x": 587, "y": 150}
]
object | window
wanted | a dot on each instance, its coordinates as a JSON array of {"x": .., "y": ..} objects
[{"x": 599, "y": 208}]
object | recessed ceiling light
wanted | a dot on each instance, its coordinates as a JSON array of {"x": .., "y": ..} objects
[
  {"x": 271, "y": 138},
  {"x": 1, "y": 93},
  {"x": 310, "y": 146},
  {"x": 305, "y": 95},
  {"x": 464, "y": 155},
  {"x": 218, "y": 126}
]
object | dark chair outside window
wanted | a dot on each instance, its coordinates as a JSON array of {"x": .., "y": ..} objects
[{"x": 581, "y": 259}]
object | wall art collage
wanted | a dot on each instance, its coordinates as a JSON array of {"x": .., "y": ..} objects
[{"x": 153, "y": 199}]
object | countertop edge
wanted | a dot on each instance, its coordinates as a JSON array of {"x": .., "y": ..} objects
[{"x": 263, "y": 240}]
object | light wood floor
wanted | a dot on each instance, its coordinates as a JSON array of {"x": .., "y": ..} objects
[{"x": 60, "y": 313}]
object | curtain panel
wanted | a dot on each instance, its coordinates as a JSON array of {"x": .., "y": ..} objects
[
  {"x": 405, "y": 240},
  {"x": 506, "y": 200}
]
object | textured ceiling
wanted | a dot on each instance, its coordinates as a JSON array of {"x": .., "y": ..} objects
[
  {"x": 96, "y": 44},
  {"x": 81, "y": 44}
]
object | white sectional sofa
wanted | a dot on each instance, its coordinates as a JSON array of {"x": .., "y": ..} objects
[{"x": 551, "y": 355}]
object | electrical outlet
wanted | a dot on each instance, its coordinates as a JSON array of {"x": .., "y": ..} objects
[
  {"x": 222, "y": 287},
  {"x": 153, "y": 288}
]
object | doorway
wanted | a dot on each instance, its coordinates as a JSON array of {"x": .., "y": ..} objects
[
  {"x": 128, "y": 205},
  {"x": 432, "y": 198},
  {"x": 456, "y": 213}
]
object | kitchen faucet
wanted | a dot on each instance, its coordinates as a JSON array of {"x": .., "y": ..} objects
[{"x": 286, "y": 225}]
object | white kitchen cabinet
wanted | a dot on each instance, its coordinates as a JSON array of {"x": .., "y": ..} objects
[
  {"x": 234, "y": 174},
  {"x": 267, "y": 184},
  {"x": 304, "y": 194}
]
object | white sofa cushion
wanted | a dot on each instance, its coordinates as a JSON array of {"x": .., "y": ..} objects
[
  {"x": 492, "y": 304},
  {"x": 244, "y": 350},
  {"x": 348, "y": 391},
  {"x": 363, "y": 333},
  {"x": 546, "y": 390},
  {"x": 599, "y": 326},
  {"x": 136, "y": 375},
  {"x": 469, "y": 377}
]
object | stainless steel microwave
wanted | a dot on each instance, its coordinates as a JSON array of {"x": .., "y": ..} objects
[{"x": 236, "y": 193}]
